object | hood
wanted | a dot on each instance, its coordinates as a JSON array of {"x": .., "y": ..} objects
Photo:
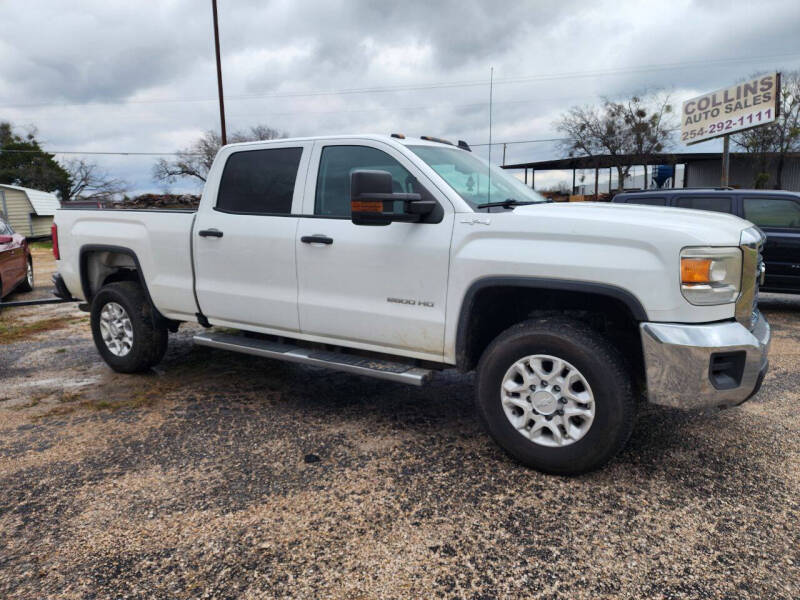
[{"x": 697, "y": 227}]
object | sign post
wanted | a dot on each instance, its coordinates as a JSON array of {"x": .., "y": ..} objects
[
  {"x": 726, "y": 160},
  {"x": 749, "y": 104}
]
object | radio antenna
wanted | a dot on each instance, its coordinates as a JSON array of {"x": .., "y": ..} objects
[{"x": 491, "y": 85}]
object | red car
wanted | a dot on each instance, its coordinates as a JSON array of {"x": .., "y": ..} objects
[{"x": 16, "y": 265}]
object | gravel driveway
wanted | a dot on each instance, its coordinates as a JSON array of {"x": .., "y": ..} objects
[{"x": 228, "y": 476}]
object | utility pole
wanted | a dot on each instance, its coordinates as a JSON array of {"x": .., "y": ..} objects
[{"x": 224, "y": 134}]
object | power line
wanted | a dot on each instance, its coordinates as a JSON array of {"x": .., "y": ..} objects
[
  {"x": 101, "y": 153},
  {"x": 440, "y": 85},
  {"x": 110, "y": 153},
  {"x": 521, "y": 142}
]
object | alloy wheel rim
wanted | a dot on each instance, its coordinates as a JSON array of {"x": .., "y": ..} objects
[
  {"x": 547, "y": 400},
  {"x": 116, "y": 329},
  {"x": 29, "y": 275}
]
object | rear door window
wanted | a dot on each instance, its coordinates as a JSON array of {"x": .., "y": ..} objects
[
  {"x": 259, "y": 182},
  {"x": 715, "y": 203},
  {"x": 773, "y": 212}
]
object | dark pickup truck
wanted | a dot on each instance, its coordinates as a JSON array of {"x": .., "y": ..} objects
[{"x": 776, "y": 213}]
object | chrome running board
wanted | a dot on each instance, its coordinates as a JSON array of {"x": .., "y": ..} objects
[{"x": 349, "y": 363}]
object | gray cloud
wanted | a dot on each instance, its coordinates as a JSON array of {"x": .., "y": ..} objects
[{"x": 140, "y": 76}]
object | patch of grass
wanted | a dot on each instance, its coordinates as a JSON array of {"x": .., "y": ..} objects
[
  {"x": 15, "y": 332},
  {"x": 142, "y": 399},
  {"x": 66, "y": 397},
  {"x": 56, "y": 411},
  {"x": 42, "y": 245},
  {"x": 103, "y": 405},
  {"x": 34, "y": 402}
]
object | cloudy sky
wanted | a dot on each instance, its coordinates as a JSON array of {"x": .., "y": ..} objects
[{"x": 116, "y": 75}]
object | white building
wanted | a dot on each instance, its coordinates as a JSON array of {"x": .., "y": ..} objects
[{"x": 30, "y": 212}]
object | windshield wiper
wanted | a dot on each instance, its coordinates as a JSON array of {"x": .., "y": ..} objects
[{"x": 507, "y": 203}]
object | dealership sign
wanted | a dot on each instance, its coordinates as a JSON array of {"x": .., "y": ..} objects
[{"x": 749, "y": 104}]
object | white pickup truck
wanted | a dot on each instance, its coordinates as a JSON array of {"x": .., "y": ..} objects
[{"x": 396, "y": 257}]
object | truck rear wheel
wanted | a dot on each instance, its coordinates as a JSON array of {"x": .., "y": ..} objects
[
  {"x": 124, "y": 328},
  {"x": 556, "y": 396}
]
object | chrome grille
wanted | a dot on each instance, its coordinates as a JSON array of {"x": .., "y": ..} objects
[{"x": 751, "y": 243}]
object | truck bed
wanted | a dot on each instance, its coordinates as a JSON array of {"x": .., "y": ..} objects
[{"x": 158, "y": 241}]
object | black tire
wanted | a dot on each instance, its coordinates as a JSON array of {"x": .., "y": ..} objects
[
  {"x": 149, "y": 338},
  {"x": 601, "y": 365},
  {"x": 25, "y": 285}
]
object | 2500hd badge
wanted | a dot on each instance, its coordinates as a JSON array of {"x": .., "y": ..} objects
[{"x": 411, "y": 302}]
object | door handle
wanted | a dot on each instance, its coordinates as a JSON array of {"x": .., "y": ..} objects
[
  {"x": 210, "y": 233},
  {"x": 316, "y": 239}
]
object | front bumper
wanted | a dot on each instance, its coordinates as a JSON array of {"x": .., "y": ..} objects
[{"x": 704, "y": 366}]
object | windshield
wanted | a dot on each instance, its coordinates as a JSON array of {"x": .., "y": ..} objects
[{"x": 468, "y": 175}]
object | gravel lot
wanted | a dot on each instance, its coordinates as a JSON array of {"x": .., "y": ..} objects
[{"x": 227, "y": 476}]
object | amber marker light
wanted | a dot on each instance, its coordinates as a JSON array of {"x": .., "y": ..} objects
[
  {"x": 366, "y": 206},
  {"x": 696, "y": 270}
]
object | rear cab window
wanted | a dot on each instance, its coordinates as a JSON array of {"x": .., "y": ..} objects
[
  {"x": 772, "y": 212},
  {"x": 716, "y": 203},
  {"x": 259, "y": 182}
]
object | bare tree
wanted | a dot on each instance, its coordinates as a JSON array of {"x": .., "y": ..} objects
[
  {"x": 773, "y": 142},
  {"x": 88, "y": 181},
  {"x": 195, "y": 160},
  {"x": 650, "y": 123},
  {"x": 628, "y": 132}
]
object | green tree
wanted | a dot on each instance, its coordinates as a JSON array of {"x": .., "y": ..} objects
[{"x": 23, "y": 162}]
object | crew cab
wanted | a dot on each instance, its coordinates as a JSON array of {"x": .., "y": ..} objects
[
  {"x": 775, "y": 212},
  {"x": 396, "y": 257}
]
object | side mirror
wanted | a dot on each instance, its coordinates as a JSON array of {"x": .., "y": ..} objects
[
  {"x": 6, "y": 239},
  {"x": 372, "y": 200}
]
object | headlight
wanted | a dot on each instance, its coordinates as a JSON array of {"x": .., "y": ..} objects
[{"x": 711, "y": 275}]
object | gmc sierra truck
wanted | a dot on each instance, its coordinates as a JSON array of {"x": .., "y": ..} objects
[{"x": 396, "y": 257}]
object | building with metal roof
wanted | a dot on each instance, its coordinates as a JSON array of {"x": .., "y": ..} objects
[
  {"x": 30, "y": 212},
  {"x": 694, "y": 169}
]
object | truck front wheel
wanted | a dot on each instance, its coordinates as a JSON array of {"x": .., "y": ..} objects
[
  {"x": 556, "y": 396},
  {"x": 124, "y": 328}
]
